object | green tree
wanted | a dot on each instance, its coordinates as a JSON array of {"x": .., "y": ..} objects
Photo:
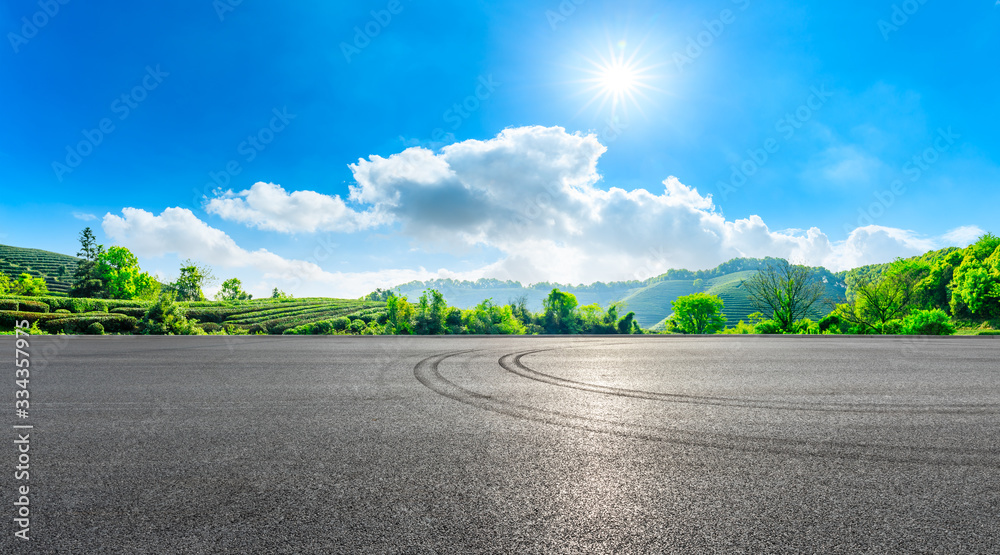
[
  {"x": 188, "y": 285},
  {"x": 699, "y": 313},
  {"x": 119, "y": 270},
  {"x": 877, "y": 299},
  {"x": 279, "y": 294},
  {"x": 5, "y": 285},
  {"x": 560, "y": 313},
  {"x": 784, "y": 291},
  {"x": 232, "y": 290},
  {"x": 430, "y": 314},
  {"x": 976, "y": 280},
  {"x": 27, "y": 286},
  {"x": 87, "y": 280},
  {"x": 399, "y": 316},
  {"x": 627, "y": 324},
  {"x": 378, "y": 295}
]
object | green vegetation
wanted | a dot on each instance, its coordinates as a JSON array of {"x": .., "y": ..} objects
[
  {"x": 56, "y": 269},
  {"x": 699, "y": 313},
  {"x": 941, "y": 292}
]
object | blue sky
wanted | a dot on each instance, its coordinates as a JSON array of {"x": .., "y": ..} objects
[{"x": 329, "y": 148}]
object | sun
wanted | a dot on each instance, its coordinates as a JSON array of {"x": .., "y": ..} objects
[{"x": 618, "y": 78}]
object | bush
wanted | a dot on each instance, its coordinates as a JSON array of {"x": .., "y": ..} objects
[
  {"x": 831, "y": 323},
  {"x": 358, "y": 326},
  {"x": 990, "y": 332},
  {"x": 62, "y": 311},
  {"x": 23, "y": 305},
  {"x": 210, "y": 327},
  {"x": 110, "y": 323},
  {"x": 742, "y": 328},
  {"x": 166, "y": 317},
  {"x": 95, "y": 328},
  {"x": 768, "y": 327},
  {"x": 927, "y": 322},
  {"x": 134, "y": 311},
  {"x": 341, "y": 323}
]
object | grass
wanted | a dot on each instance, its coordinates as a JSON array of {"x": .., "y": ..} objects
[{"x": 56, "y": 269}]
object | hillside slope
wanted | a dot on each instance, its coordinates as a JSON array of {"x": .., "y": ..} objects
[
  {"x": 650, "y": 299},
  {"x": 57, "y": 269}
]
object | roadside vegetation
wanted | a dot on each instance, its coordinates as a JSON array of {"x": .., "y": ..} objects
[{"x": 940, "y": 293}]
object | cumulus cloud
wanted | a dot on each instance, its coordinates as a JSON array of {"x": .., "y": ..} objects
[
  {"x": 269, "y": 207},
  {"x": 178, "y": 231},
  {"x": 534, "y": 193}
]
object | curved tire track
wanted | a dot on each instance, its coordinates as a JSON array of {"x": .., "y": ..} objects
[
  {"x": 512, "y": 363},
  {"x": 427, "y": 373}
]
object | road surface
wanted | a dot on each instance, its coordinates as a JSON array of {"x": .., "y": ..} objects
[{"x": 499, "y": 444}]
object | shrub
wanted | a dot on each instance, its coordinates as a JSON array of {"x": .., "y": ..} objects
[
  {"x": 210, "y": 327},
  {"x": 95, "y": 328},
  {"x": 257, "y": 329},
  {"x": 742, "y": 328},
  {"x": 990, "y": 332},
  {"x": 927, "y": 322},
  {"x": 166, "y": 317},
  {"x": 831, "y": 323},
  {"x": 768, "y": 327},
  {"x": 134, "y": 311},
  {"x": 341, "y": 323},
  {"x": 110, "y": 323},
  {"x": 23, "y": 305},
  {"x": 358, "y": 326}
]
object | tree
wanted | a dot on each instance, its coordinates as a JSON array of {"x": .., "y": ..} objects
[
  {"x": 89, "y": 249},
  {"x": 875, "y": 299},
  {"x": 399, "y": 314},
  {"x": 279, "y": 294},
  {"x": 785, "y": 291},
  {"x": 560, "y": 312},
  {"x": 87, "y": 280},
  {"x": 699, "y": 313},
  {"x": 976, "y": 281},
  {"x": 232, "y": 290},
  {"x": 119, "y": 271},
  {"x": 378, "y": 294},
  {"x": 430, "y": 314},
  {"x": 193, "y": 277}
]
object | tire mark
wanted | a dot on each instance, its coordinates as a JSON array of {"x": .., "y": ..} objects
[
  {"x": 427, "y": 373},
  {"x": 512, "y": 363}
]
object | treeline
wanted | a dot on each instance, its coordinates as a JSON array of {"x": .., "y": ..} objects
[
  {"x": 932, "y": 294},
  {"x": 431, "y": 315}
]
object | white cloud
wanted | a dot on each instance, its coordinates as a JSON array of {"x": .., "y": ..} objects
[
  {"x": 533, "y": 193},
  {"x": 84, "y": 216},
  {"x": 178, "y": 231},
  {"x": 963, "y": 236},
  {"x": 269, "y": 207}
]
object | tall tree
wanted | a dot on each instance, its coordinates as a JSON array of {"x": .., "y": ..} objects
[
  {"x": 560, "y": 312},
  {"x": 188, "y": 286},
  {"x": 784, "y": 292},
  {"x": 876, "y": 299},
  {"x": 87, "y": 280}
]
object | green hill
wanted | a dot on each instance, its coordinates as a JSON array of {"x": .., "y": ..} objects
[
  {"x": 56, "y": 269},
  {"x": 649, "y": 299}
]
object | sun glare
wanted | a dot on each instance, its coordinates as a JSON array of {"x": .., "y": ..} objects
[{"x": 618, "y": 78}]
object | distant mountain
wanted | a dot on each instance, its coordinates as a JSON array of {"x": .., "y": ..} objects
[
  {"x": 57, "y": 269},
  {"x": 649, "y": 299}
]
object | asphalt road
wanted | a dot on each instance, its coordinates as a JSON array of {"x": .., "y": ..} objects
[{"x": 514, "y": 445}]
